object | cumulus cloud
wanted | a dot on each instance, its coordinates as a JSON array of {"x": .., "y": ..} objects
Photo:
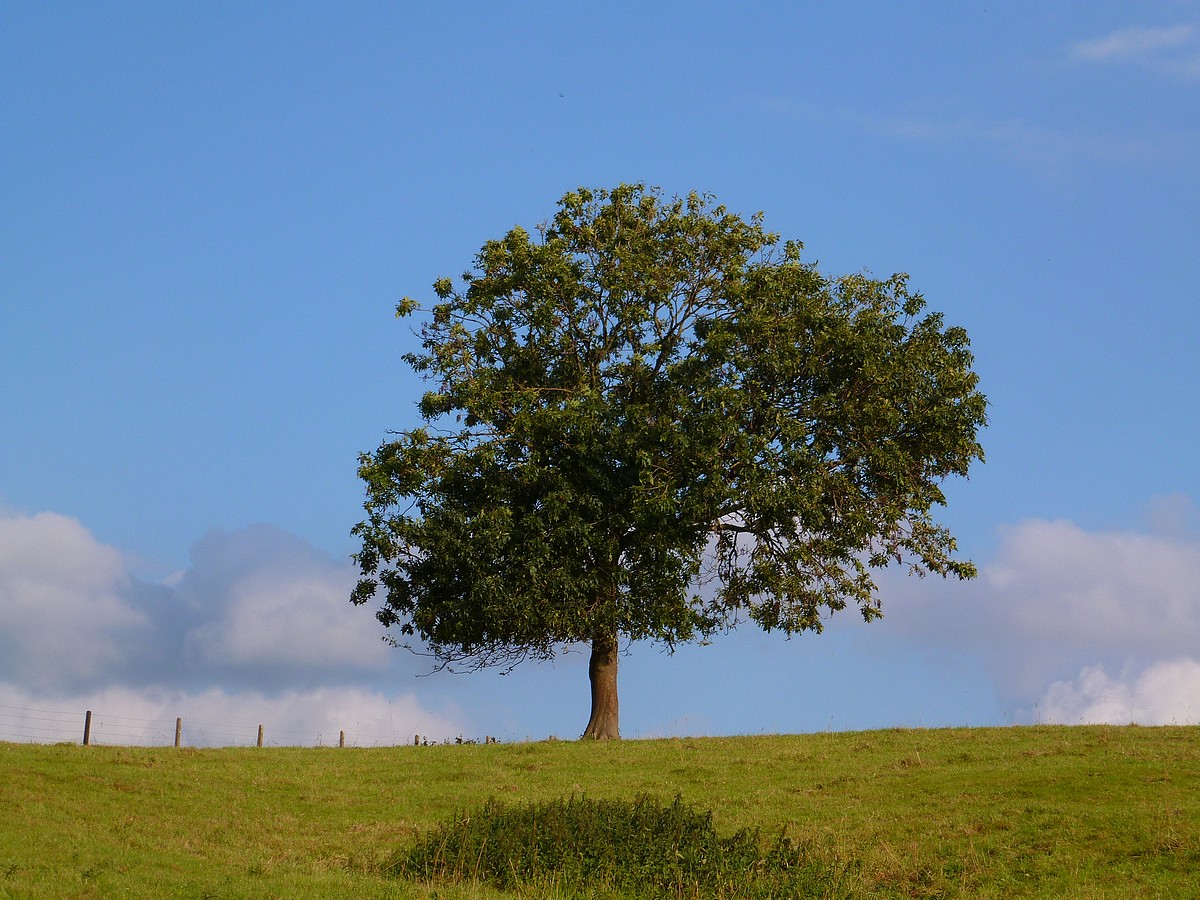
[
  {"x": 1166, "y": 693},
  {"x": 1121, "y": 592},
  {"x": 1172, "y": 50},
  {"x": 277, "y": 606},
  {"x": 1061, "y": 606},
  {"x": 258, "y": 627},
  {"x": 65, "y": 610}
]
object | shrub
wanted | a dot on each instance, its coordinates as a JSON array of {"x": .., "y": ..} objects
[{"x": 619, "y": 847}]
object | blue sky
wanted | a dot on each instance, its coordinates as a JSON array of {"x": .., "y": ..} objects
[{"x": 209, "y": 211}]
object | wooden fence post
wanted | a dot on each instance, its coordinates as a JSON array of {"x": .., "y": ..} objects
[
  {"x": 87, "y": 728},
  {"x": 341, "y": 739},
  {"x": 416, "y": 740},
  {"x": 260, "y": 732},
  {"x": 178, "y": 730}
]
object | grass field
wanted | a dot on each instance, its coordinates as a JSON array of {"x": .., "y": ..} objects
[{"x": 1083, "y": 812}]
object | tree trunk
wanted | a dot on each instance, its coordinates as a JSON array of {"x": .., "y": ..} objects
[{"x": 602, "y": 672}]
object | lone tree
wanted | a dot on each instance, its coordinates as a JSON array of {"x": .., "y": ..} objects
[{"x": 651, "y": 421}]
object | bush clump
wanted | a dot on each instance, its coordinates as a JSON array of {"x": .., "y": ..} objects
[{"x": 617, "y": 847}]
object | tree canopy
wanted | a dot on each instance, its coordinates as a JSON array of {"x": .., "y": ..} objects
[{"x": 652, "y": 420}]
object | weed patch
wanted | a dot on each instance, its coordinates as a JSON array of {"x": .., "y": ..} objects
[{"x": 636, "y": 847}]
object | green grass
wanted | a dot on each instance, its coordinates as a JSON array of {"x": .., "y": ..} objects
[{"x": 1085, "y": 812}]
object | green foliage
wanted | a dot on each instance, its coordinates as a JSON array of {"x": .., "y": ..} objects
[
  {"x": 636, "y": 848},
  {"x": 649, "y": 396}
]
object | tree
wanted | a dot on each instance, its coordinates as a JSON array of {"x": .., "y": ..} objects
[{"x": 651, "y": 421}]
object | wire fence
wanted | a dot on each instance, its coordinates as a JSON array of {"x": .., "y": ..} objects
[{"x": 26, "y": 725}]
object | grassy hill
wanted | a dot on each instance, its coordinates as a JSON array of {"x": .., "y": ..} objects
[{"x": 1084, "y": 812}]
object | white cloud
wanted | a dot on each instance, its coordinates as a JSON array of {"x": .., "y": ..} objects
[
  {"x": 1057, "y": 600},
  {"x": 259, "y": 602},
  {"x": 1111, "y": 590},
  {"x": 290, "y": 608},
  {"x": 65, "y": 614},
  {"x": 213, "y": 717},
  {"x": 1166, "y": 693},
  {"x": 1171, "y": 50}
]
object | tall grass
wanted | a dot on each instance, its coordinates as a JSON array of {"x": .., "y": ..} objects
[{"x": 1086, "y": 812}]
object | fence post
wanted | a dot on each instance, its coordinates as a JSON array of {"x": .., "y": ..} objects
[
  {"x": 341, "y": 739},
  {"x": 178, "y": 730},
  {"x": 416, "y": 740},
  {"x": 260, "y": 732},
  {"x": 87, "y": 728}
]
